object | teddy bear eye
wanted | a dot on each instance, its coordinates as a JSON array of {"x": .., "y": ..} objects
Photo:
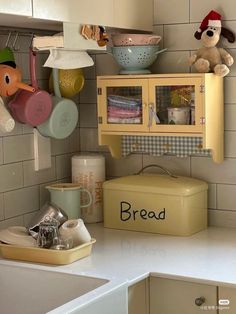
[{"x": 7, "y": 78}]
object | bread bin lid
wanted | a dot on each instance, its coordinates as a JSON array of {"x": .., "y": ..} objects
[{"x": 155, "y": 183}]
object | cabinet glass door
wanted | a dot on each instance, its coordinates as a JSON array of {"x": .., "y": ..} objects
[
  {"x": 123, "y": 105},
  {"x": 176, "y": 105}
]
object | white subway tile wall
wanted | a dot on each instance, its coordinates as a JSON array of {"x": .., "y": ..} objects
[
  {"x": 18, "y": 148},
  {"x": 226, "y": 196},
  {"x": 32, "y": 177},
  {"x": 199, "y": 9},
  {"x": 176, "y": 21},
  {"x": 106, "y": 65},
  {"x": 230, "y": 114},
  {"x": 11, "y": 177},
  {"x": 22, "y": 190},
  {"x": 1, "y": 207},
  {"x": 20, "y": 202},
  {"x": 177, "y": 61},
  {"x": 212, "y": 195},
  {"x": 171, "y": 11},
  {"x": 88, "y": 115}
]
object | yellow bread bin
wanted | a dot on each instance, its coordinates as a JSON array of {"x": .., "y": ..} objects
[{"x": 156, "y": 203}]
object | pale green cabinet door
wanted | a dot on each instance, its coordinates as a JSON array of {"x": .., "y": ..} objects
[
  {"x": 19, "y": 7},
  {"x": 227, "y": 300},
  {"x": 75, "y": 11},
  {"x": 138, "y": 296},
  {"x": 169, "y": 296}
]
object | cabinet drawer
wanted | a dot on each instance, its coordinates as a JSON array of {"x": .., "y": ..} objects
[
  {"x": 169, "y": 296},
  {"x": 139, "y": 298},
  {"x": 227, "y": 294}
]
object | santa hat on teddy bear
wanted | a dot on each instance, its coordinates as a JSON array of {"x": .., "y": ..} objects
[{"x": 213, "y": 19}]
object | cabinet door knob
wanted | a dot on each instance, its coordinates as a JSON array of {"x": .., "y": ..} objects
[{"x": 200, "y": 301}]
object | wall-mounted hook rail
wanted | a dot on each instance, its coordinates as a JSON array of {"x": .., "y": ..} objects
[{"x": 13, "y": 36}]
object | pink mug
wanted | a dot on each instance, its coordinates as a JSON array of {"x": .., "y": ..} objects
[{"x": 31, "y": 108}]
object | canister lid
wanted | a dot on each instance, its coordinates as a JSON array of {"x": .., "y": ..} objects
[
  {"x": 154, "y": 183},
  {"x": 88, "y": 160}
]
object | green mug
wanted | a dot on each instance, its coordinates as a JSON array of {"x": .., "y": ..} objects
[
  {"x": 68, "y": 197},
  {"x": 64, "y": 116}
]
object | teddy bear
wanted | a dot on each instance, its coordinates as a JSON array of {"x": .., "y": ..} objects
[{"x": 209, "y": 58}]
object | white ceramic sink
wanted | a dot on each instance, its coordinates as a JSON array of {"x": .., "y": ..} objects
[{"x": 33, "y": 291}]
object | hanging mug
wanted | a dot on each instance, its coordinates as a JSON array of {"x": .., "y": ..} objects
[
  {"x": 64, "y": 116},
  {"x": 31, "y": 108}
]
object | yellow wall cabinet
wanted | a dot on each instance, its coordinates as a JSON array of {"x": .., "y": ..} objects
[
  {"x": 133, "y": 14},
  {"x": 188, "y": 105}
]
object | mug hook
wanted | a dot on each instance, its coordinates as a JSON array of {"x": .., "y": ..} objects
[
  {"x": 14, "y": 43},
  {"x": 31, "y": 41},
  {"x": 8, "y": 40}
]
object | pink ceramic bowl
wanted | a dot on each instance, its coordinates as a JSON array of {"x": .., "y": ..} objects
[{"x": 135, "y": 39}]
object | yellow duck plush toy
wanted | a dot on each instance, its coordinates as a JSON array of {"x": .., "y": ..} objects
[{"x": 209, "y": 58}]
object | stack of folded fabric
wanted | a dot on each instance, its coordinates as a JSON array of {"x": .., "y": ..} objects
[{"x": 124, "y": 110}]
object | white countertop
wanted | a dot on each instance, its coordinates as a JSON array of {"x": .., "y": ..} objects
[{"x": 125, "y": 257}]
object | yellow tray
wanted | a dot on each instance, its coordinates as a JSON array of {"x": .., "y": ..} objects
[{"x": 47, "y": 256}]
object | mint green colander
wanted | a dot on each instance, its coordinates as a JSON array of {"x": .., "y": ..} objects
[{"x": 135, "y": 59}]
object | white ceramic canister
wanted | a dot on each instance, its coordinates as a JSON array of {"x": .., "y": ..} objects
[
  {"x": 179, "y": 115},
  {"x": 89, "y": 172}
]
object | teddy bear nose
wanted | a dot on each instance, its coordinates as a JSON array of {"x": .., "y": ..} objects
[{"x": 210, "y": 33}]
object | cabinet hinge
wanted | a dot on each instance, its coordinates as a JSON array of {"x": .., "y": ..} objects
[
  {"x": 99, "y": 91},
  {"x": 99, "y": 120},
  {"x": 202, "y": 120},
  {"x": 202, "y": 88}
]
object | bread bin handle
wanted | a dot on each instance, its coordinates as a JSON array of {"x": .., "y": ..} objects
[{"x": 157, "y": 166}]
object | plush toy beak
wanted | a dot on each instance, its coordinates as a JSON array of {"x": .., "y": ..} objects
[{"x": 25, "y": 87}]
